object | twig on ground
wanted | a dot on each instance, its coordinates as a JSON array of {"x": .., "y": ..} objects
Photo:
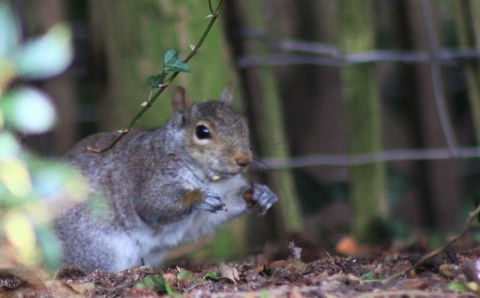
[{"x": 467, "y": 227}]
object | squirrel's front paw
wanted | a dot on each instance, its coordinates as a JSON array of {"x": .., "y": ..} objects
[
  {"x": 259, "y": 199},
  {"x": 211, "y": 201}
]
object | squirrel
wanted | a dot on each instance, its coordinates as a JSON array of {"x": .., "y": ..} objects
[{"x": 160, "y": 187}]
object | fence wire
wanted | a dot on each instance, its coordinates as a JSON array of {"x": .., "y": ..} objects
[{"x": 311, "y": 53}]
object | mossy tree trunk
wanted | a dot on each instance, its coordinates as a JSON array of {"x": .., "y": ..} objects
[
  {"x": 367, "y": 182},
  {"x": 265, "y": 112},
  {"x": 469, "y": 36},
  {"x": 130, "y": 38}
]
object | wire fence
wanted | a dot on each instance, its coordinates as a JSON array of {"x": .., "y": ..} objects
[{"x": 296, "y": 52}]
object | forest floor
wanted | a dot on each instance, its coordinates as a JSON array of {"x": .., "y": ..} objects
[{"x": 328, "y": 276}]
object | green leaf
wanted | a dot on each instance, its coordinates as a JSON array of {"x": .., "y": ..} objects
[
  {"x": 28, "y": 110},
  {"x": 9, "y": 147},
  {"x": 173, "y": 63},
  {"x": 51, "y": 248},
  {"x": 50, "y": 179},
  {"x": 16, "y": 180},
  {"x": 46, "y": 56},
  {"x": 9, "y": 32},
  {"x": 170, "y": 291},
  {"x": 457, "y": 287},
  {"x": 187, "y": 275},
  {"x": 19, "y": 231},
  {"x": 264, "y": 293},
  {"x": 211, "y": 276},
  {"x": 157, "y": 283},
  {"x": 156, "y": 81},
  {"x": 371, "y": 276}
]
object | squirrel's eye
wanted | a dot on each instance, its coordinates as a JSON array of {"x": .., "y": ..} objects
[{"x": 202, "y": 132}]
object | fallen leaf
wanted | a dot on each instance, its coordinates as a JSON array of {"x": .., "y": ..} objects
[
  {"x": 170, "y": 277},
  {"x": 344, "y": 277},
  {"x": 187, "y": 275},
  {"x": 348, "y": 246},
  {"x": 372, "y": 276},
  {"x": 211, "y": 276},
  {"x": 157, "y": 283},
  {"x": 457, "y": 287},
  {"x": 228, "y": 272},
  {"x": 259, "y": 269},
  {"x": 294, "y": 265},
  {"x": 414, "y": 284},
  {"x": 83, "y": 288},
  {"x": 319, "y": 277},
  {"x": 61, "y": 289},
  {"x": 449, "y": 270},
  {"x": 474, "y": 287},
  {"x": 280, "y": 264}
]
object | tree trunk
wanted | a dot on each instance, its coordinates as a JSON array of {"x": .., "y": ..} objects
[
  {"x": 465, "y": 12},
  {"x": 265, "y": 110},
  {"x": 133, "y": 35},
  {"x": 440, "y": 209},
  {"x": 367, "y": 182}
]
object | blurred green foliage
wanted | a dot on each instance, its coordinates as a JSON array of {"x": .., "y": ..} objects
[{"x": 30, "y": 187}]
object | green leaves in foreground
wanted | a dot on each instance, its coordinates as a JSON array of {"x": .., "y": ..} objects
[
  {"x": 30, "y": 186},
  {"x": 171, "y": 64},
  {"x": 46, "y": 56},
  {"x": 28, "y": 110}
]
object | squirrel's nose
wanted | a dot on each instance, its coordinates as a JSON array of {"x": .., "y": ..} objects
[{"x": 243, "y": 159}]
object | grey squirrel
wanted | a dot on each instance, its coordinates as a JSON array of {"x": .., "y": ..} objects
[{"x": 160, "y": 187}]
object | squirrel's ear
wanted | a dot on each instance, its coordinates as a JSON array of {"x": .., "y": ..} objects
[
  {"x": 227, "y": 94},
  {"x": 181, "y": 105},
  {"x": 180, "y": 101}
]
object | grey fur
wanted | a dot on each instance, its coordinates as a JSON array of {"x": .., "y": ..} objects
[{"x": 142, "y": 182}]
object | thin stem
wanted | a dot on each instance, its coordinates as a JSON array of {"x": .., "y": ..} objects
[
  {"x": 211, "y": 7},
  {"x": 163, "y": 86}
]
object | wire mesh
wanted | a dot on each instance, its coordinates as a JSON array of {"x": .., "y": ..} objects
[{"x": 297, "y": 52}]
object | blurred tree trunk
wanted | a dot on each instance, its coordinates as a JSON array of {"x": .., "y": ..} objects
[
  {"x": 402, "y": 103},
  {"x": 469, "y": 36},
  {"x": 314, "y": 114},
  {"x": 130, "y": 38},
  {"x": 264, "y": 107},
  {"x": 440, "y": 208},
  {"x": 367, "y": 186}
]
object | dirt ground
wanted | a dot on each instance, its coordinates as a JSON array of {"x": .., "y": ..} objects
[{"x": 328, "y": 276}]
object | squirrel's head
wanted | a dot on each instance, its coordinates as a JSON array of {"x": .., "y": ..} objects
[{"x": 213, "y": 134}]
